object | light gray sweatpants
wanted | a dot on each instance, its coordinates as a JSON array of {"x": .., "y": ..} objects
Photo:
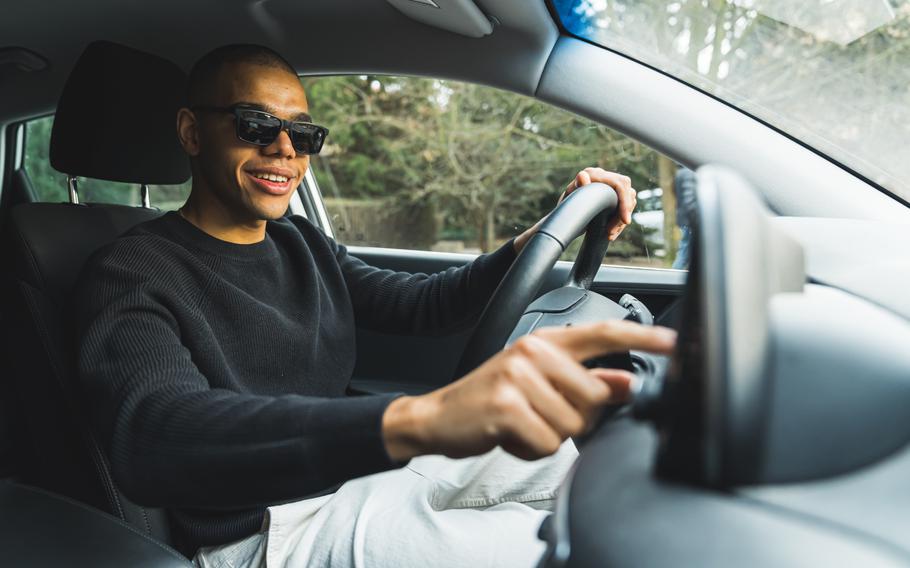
[{"x": 478, "y": 512}]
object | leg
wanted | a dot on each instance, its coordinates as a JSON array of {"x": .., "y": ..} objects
[{"x": 482, "y": 512}]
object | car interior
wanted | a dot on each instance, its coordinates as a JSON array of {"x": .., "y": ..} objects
[{"x": 776, "y": 434}]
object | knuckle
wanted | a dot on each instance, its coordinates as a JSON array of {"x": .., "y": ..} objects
[
  {"x": 576, "y": 425},
  {"x": 528, "y": 345},
  {"x": 547, "y": 334},
  {"x": 598, "y": 395},
  {"x": 504, "y": 400},
  {"x": 604, "y": 327},
  {"x": 606, "y": 330},
  {"x": 512, "y": 369},
  {"x": 551, "y": 446}
]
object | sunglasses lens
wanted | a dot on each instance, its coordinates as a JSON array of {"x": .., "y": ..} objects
[
  {"x": 261, "y": 128},
  {"x": 257, "y": 127},
  {"x": 308, "y": 138}
]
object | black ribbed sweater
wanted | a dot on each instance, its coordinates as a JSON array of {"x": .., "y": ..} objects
[{"x": 216, "y": 373}]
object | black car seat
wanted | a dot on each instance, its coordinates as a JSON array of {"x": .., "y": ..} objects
[{"x": 115, "y": 121}]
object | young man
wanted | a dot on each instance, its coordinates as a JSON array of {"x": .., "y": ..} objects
[{"x": 217, "y": 343}]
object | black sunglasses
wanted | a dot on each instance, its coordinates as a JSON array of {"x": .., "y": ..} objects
[{"x": 261, "y": 128}]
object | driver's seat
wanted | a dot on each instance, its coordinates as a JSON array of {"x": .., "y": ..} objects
[{"x": 115, "y": 121}]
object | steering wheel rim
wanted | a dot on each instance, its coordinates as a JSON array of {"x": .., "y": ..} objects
[{"x": 588, "y": 208}]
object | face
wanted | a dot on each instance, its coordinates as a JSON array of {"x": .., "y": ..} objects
[{"x": 251, "y": 183}]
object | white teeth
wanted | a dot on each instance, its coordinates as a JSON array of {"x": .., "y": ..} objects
[{"x": 272, "y": 177}]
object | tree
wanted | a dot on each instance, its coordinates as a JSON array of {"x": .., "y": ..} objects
[
  {"x": 492, "y": 160},
  {"x": 844, "y": 94}
]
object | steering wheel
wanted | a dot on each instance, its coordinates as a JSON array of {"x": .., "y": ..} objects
[{"x": 510, "y": 312}]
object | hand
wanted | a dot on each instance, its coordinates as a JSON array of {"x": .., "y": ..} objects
[
  {"x": 623, "y": 187},
  {"x": 621, "y": 184},
  {"x": 528, "y": 398}
]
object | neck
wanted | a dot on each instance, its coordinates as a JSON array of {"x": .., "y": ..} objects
[{"x": 211, "y": 216}]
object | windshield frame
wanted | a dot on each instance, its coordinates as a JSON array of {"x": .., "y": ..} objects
[{"x": 563, "y": 31}]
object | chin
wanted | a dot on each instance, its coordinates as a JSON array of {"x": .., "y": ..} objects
[{"x": 270, "y": 213}]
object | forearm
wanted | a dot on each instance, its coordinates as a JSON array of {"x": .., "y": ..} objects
[
  {"x": 399, "y": 302},
  {"x": 221, "y": 449},
  {"x": 521, "y": 240}
]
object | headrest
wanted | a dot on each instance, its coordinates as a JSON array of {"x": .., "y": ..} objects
[{"x": 116, "y": 119}]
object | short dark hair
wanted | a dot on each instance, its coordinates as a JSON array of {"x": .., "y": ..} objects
[{"x": 204, "y": 73}]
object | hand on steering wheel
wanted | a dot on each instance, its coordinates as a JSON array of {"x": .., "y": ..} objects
[
  {"x": 620, "y": 183},
  {"x": 589, "y": 208}
]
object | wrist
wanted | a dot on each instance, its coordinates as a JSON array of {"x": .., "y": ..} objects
[
  {"x": 404, "y": 428},
  {"x": 521, "y": 240}
]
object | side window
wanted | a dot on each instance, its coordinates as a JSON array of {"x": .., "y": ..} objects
[
  {"x": 50, "y": 185},
  {"x": 440, "y": 165}
]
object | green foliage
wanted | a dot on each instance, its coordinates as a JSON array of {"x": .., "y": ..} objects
[
  {"x": 490, "y": 161},
  {"x": 49, "y": 184}
]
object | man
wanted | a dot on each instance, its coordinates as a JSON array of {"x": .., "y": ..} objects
[{"x": 217, "y": 343}]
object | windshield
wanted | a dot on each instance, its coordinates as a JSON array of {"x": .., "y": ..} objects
[{"x": 834, "y": 74}]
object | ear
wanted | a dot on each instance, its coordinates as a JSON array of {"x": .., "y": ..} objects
[{"x": 188, "y": 131}]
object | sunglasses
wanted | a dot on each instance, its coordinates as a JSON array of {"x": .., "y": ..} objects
[{"x": 261, "y": 128}]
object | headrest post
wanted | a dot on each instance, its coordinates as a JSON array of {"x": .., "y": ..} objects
[
  {"x": 144, "y": 195},
  {"x": 73, "y": 190}
]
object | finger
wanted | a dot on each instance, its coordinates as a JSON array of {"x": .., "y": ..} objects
[
  {"x": 622, "y": 185},
  {"x": 619, "y": 381},
  {"x": 545, "y": 399},
  {"x": 573, "y": 381},
  {"x": 614, "y": 229},
  {"x": 583, "y": 178},
  {"x": 590, "y": 340},
  {"x": 580, "y": 179},
  {"x": 627, "y": 205},
  {"x": 526, "y": 435}
]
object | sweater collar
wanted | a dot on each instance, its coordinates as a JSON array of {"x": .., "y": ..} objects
[{"x": 196, "y": 237}]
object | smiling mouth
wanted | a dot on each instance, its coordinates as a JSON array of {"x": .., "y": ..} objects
[
  {"x": 271, "y": 177},
  {"x": 274, "y": 184}
]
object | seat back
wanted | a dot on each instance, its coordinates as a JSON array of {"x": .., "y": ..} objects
[
  {"x": 44, "y": 259},
  {"x": 10, "y": 438},
  {"x": 114, "y": 121}
]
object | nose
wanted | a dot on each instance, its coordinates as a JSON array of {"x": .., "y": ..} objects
[{"x": 281, "y": 146}]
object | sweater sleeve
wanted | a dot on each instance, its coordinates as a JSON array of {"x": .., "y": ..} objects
[
  {"x": 401, "y": 302},
  {"x": 174, "y": 441}
]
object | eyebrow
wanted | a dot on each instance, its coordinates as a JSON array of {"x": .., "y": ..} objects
[{"x": 299, "y": 117}]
